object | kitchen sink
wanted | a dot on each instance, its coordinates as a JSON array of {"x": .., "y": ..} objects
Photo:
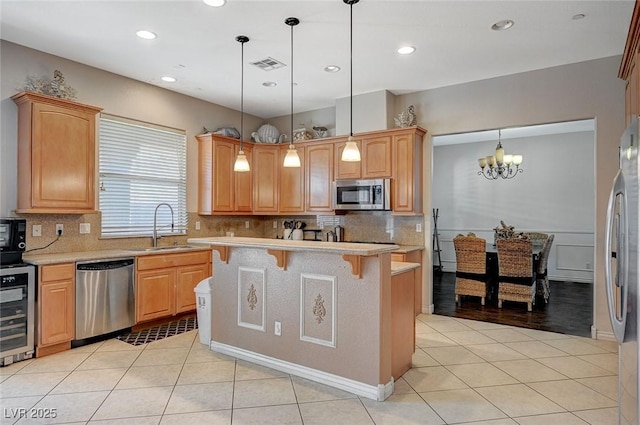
[{"x": 163, "y": 248}]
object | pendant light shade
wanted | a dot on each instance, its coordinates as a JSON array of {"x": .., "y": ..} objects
[
  {"x": 241, "y": 164},
  {"x": 351, "y": 153},
  {"x": 291, "y": 159}
]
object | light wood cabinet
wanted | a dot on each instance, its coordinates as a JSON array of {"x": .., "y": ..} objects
[
  {"x": 56, "y": 155},
  {"x": 220, "y": 189},
  {"x": 402, "y": 322},
  {"x": 265, "y": 174},
  {"x": 291, "y": 183},
  {"x": 346, "y": 169},
  {"x": 165, "y": 283},
  {"x": 413, "y": 257},
  {"x": 629, "y": 67},
  {"x": 406, "y": 190},
  {"x": 56, "y": 308},
  {"x": 319, "y": 173},
  {"x": 376, "y": 157}
]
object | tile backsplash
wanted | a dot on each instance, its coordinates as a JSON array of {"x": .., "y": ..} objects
[{"x": 365, "y": 226}]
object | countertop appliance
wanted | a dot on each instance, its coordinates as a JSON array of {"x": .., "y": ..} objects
[
  {"x": 17, "y": 312},
  {"x": 104, "y": 297},
  {"x": 13, "y": 238},
  {"x": 622, "y": 267},
  {"x": 365, "y": 195}
]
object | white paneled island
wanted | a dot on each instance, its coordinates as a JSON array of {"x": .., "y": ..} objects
[{"x": 319, "y": 310}]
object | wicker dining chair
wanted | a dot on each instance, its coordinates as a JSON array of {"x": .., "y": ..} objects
[
  {"x": 471, "y": 267},
  {"x": 542, "y": 280},
  {"x": 516, "y": 276}
]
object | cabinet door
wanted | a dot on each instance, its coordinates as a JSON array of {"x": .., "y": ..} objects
[
  {"x": 155, "y": 294},
  {"x": 187, "y": 279},
  {"x": 244, "y": 184},
  {"x": 319, "y": 169},
  {"x": 376, "y": 157},
  {"x": 223, "y": 177},
  {"x": 265, "y": 179},
  {"x": 291, "y": 190},
  {"x": 56, "y": 307},
  {"x": 406, "y": 193},
  {"x": 346, "y": 169}
]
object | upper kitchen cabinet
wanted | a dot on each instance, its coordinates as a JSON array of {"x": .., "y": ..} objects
[
  {"x": 319, "y": 171},
  {"x": 220, "y": 189},
  {"x": 629, "y": 67},
  {"x": 346, "y": 169},
  {"x": 56, "y": 155},
  {"x": 406, "y": 179},
  {"x": 291, "y": 184},
  {"x": 265, "y": 175},
  {"x": 376, "y": 156}
]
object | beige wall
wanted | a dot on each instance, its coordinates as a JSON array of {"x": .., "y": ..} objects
[
  {"x": 583, "y": 90},
  {"x": 117, "y": 95}
]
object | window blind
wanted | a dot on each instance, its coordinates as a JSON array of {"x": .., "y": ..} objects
[{"x": 141, "y": 165}]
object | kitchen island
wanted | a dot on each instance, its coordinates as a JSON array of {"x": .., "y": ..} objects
[{"x": 319, "y": 310}]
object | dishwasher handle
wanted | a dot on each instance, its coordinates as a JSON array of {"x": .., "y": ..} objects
[{"x": 105, "y": 265}]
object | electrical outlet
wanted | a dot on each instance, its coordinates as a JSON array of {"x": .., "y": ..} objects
[
  {"x": 275, "y": 224},
  {"x": 85, "y": 228},
  {"x": 418, "y": 227},
  {"x": 588, "y": 266},
  {"x": 246, "y": 224},
  {"x": 59, "y": 229},
  {"x": 197, "y": 225},
  {"x": 278, "y": 329},
  {"x": 36, "y": 230}
]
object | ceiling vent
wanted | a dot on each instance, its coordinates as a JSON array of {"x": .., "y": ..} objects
[{"x": 268, "y": 64}]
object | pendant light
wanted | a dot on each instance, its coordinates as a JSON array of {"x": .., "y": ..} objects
[
  {"x": 241, "y": 164},
  {"x": 351, "y": 153},
  {"x": 291, "y": 159}
]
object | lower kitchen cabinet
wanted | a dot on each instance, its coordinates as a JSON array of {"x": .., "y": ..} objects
[
  {"x": 165, "y": 283},
  {"x": 56, "y": 308},
  {"x": 413, "y": 257}
]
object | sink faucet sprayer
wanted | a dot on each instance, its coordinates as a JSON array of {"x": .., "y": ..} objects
[{"x": 155, "y": 223}]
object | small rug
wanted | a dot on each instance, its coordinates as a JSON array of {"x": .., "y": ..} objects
[{"x": 160, "y": 332}]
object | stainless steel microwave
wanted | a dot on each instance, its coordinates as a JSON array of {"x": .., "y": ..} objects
[{"x": 367, "y": 195}]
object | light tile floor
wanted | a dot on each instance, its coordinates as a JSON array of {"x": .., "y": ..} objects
[{"x": 464, "y": 372}]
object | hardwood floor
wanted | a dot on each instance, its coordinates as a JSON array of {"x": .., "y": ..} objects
[{"x": 569, "y": 311}]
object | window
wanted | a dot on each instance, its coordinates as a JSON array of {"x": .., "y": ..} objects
[{"x": 141, "y": 166}]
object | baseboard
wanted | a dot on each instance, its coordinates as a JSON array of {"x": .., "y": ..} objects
[
  {"x": 380, "y": 392},
  {"x": 428, "y": 309},
  {"x": 605, "y": 336}
]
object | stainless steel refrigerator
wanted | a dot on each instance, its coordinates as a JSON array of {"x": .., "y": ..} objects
[{"x": 622, "y": 271}]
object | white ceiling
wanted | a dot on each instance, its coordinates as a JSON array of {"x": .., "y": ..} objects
[{"x": 196, "y": 43}]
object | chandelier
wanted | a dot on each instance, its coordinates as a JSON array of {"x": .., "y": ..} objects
[{"x": 500, "y": 164}]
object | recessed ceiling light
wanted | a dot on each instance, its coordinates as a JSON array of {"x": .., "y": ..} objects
[
  {"x": 578, "y": 16},
  {"x": 269, "y": 84},
  {"x": 215, "y": 3},
  {"x": 406, "y": 50},
  {"x": 168, "y": 79},
  {"x": 331, "y": 68},
  {"x": 147, "y": 35},
  {"x": 502, "y": 25}
]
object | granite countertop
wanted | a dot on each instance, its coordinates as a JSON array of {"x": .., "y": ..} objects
[
  {"x": 398, "y": 267},
  {"x": 111, "y": 254},
  {"x": 404, "y": 249},
  {"x": 344, "y": 248}
]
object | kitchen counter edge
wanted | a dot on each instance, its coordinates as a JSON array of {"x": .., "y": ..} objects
[
  {"x": 111, "y": 254},
  {"x": 344, "y": 248}
]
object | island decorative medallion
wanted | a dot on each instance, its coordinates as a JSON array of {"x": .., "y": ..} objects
[
  {"x": 252, "y": 298},
  {"x": 318, "y": 309}
]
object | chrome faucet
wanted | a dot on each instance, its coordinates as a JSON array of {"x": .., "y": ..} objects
[{"x": 155, "y": 223}]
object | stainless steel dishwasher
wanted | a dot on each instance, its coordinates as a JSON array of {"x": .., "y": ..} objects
[{"x": 104, "y": 297}]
